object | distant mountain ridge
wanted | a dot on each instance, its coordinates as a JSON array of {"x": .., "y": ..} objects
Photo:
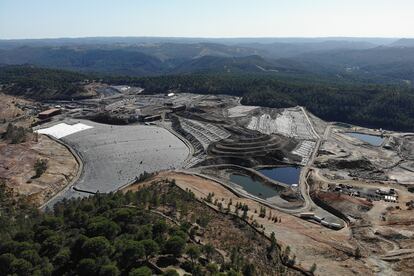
[
  {"x": 390, "y": 62},
  {"x": 213, "y": 64},
  {"x": 403, "y": 42},
  {"x": 356, "y": 58},
  {"x": 93, "y": 60},
  {"x": 12, "y": 43}
]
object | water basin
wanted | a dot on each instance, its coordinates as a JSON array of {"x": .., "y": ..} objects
[
  {"x": 253, "y": 186},
  {"x": 287, "y": 175},
  {"x": 370, "y": 139}
]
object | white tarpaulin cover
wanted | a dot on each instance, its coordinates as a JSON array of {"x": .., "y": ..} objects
[{"x": 61, "y": 130}]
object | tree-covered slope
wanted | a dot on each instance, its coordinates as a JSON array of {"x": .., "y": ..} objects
[
  {"x": 156, "y": 230},
  {"x": 110, "y": 61},
  {"x": 40, "y": 83},
  {"x": 332, "y": 99},
  {"x": 378, "y": 106}
]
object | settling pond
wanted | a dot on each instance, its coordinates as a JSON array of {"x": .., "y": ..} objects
[
  {"x": 254, "y": 187},
  {"x": 370, "y": 139},
  {"x": 287, "y": 175}
]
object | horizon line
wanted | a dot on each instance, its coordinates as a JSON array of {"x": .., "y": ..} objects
[{"x": 213, "y": 37}]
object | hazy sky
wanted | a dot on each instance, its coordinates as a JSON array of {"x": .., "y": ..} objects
[{"x": 206, "y": 18}]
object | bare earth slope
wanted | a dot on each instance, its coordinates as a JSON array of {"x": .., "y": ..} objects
[{"x": 17, "y": 168}]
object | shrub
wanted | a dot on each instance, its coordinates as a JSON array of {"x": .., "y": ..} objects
[
  {"x": 40, "y": 167},
  {"x": 142, "y": 271},
  {"x": 170, "y": 272},
  {"x": 14, "y": 134},
  {"x": 313, "y": 268}
]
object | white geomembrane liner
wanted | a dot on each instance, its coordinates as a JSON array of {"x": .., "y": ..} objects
[{"x": 61, "y": 130}]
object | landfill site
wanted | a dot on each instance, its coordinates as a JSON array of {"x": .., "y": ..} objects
[{"x": 337, "y": 195}]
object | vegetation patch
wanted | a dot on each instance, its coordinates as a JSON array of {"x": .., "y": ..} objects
[
  {"x": 40, "y": 167},
  {"x": 156, "y": 230},
  {"x": 15, "y": 134}
]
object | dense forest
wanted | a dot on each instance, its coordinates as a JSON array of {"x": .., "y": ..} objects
[
  {"x": 372, "y": 105},
  {"x": 155, "y": 230},
  {"x": 41, "y": 83}
]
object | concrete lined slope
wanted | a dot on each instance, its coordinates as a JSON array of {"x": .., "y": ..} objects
[
  {"x": 292, "y": 122},
  {"x": 114, "y": 155},
  {"x": 61, "y": 130},
  {"x": 204, "y": 132}
]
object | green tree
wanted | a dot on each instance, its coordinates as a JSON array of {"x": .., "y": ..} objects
[
  {"x": 236, "y": 259},
  {"x": 212, "y": 268},
  {"x": 159, "y": 228},
  {"x": 31, "y": 256},
  {"x": 193, "y": 252},
  {"x": 63, "y": 257},
  {"x": 51, "y": 245},
  {"x": 244, "y": 216},
  {"x": 150, "y": 248},
  {"x": 6, "y": 261},
  {"x": 52, "y": 222},
  {"x": 232, "y": 272},
  {"x": 273, "y": 243},
  {"x": 209, "y": 250},
  {"x": 130, "y": 251},
  {"x": 40, "y": 167},
  {"x": 203, "y": 220},
  {"x": 15, "y": 134},
  {"x": 262, "y": 213},
  {"x": 103, "y": 227},
  {"x": 46, "y": 267},
  {"x": 123, "y": 215},
  {"x": 175, "y": 246},
  {"x": 286, "y": 254},
  {"x": 170, "y": 272},
  {"x": 109, "y": 270},
  {"x": 248, "y": 269},
  {"x": 141, "y": 271},
  {"x": 313, "y": 269},
  {"x": 358, "y": 254},
  {"x": 21, "y": 267},
  {"x": 87, "y": 267},
  {"x": 97, "y": 247},
  {"x": 210, "y": 197}
]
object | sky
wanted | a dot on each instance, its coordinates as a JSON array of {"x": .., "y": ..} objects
[{"x": 206, "y": 18}]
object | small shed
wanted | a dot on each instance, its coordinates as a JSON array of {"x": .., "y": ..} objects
[
  {"x": 178, "y": 108},
  {"x": 49, "y": 113}
]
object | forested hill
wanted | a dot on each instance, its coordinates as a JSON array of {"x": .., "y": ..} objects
[
  {"x": 378, "y": 106},
  {"x": 371, "y": 105},
  {"x": 41, "y": 83},
  {"x": 346, "y": 58},
  {"x": 154, "y": 231}
]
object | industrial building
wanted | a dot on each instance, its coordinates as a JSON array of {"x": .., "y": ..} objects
[{"x": 49, "y": 113}]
